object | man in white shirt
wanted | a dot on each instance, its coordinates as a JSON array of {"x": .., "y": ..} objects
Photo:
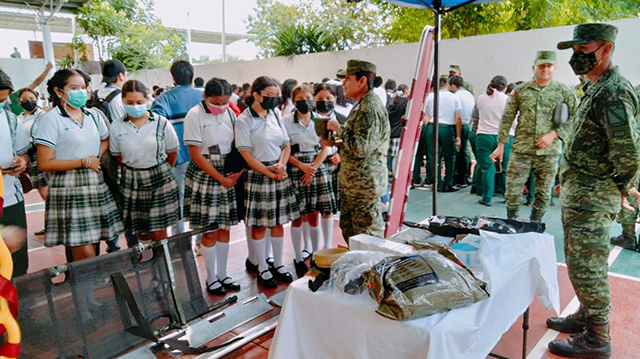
[
  {"x": 449, "y": 131},
  {"x": 467, "y": 102}
]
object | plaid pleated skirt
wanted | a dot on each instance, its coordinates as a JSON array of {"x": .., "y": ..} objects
[
  {"x": 38, "y": 177},
  {"x": 80, "y": 209},
  {"x": 269, "y": 202},
  {"x": 318, "y": 196},
  {"x": 207, "y": 201},
  {"x": 394, "y": 146},
  {"x": 150, "y": 198},
  {"x": 334, "y": 173}
]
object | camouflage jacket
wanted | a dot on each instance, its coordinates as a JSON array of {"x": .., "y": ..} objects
[
  {"x": 536, "y": 106},
  {"x": 365, "y": 140},
  {"x": 601, "y": 156},
  {"x": 468, "y": 86}
]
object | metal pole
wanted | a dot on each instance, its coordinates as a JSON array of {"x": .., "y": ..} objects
[
  {"x": 224, "y": 36},
  {"x": 436, "y": 98},
  {"x": 47, "y": 45},
  {"x": 188, "y": 37}
]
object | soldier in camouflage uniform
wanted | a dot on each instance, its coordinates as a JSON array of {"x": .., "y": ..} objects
[
  {"x": 627, "y": 219},
  {"x": 599, "y": 167},
  {"x": 455, "y": 70},
  {"x": 537, "y": 141},
  {"x": 365, "y": 140}
]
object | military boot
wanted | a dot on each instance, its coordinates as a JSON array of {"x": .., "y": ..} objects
[
  {"x": 536, "y": 216},
  {"x": 627, "y": 239},
  {"x": 593, "y": 343},
  {"x": 573, "y": 323},
  {"x": 512, "y": 213}
]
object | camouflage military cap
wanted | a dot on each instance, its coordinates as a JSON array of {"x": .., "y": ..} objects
[
  {"x": 342, "y": 73},
  {"x": 444, "y": 77},
  {"x": 354, "y": 66},
  {"x": 584, "y": 33},
  {"x": 455, "y": 68},
  {"x": 545, "y": 57}
]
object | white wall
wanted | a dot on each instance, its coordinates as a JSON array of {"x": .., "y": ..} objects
[
  {"x": 23, "y": 71},
  {"x": 481, "y": 58}
]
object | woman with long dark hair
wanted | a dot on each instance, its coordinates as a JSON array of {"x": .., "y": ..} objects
[{"x": 270, "y": 197}]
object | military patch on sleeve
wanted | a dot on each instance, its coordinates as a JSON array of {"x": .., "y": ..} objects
[
  {"x": 616, "y": 114},
  {"x": 619, "y": 133}
]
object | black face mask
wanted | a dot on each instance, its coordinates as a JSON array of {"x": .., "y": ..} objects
[
  {"x": 29, "y": 105},
  {"x": 304, "y": 106},
  {"x": 269, "y": 103},
  {"x": 582, "y": 63},
  {"x": 324, "y": 106}
]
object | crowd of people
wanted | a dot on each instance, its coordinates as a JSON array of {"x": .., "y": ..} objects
[{"x": 126, "y": 159}]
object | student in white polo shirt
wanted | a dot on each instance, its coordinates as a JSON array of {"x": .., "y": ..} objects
[
  {"x": 449, "y": 131},
  {"x": 270, "y": 197},
  {"x": 145, "y": 145},
  {"x": 14, "y": 145},
  {"x": 308, "y": 173},
  {"x": 210, "y": 196},
  {"x": 325, "y": 95},
  {"x": 30, "y": 120},
  {"x": 80, "y": 210}
]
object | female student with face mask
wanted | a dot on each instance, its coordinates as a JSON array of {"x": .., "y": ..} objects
[
  {"x": 30, "y": 120},
  {"x": 308, "y": 173},
  {"x": 270, "y": 197},
  {"x": 210, "y": 197},
  {"x": 325, "y": 100},
  {"x": 80, "y": 210},
  {"x": 145, "y": 146}
]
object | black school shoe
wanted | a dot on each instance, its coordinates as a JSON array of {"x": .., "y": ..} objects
[
  {"x": 267, "y": 283},
  {"x": 252, "y": 268},
  {"x": 301, "y": 268},
  {"x": 283, "y": 277},
  {"x": 217, "y": 291},
  {"x": 230, "y": 284}
]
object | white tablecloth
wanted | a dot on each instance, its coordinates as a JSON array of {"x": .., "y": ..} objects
[{"x": 329, "y": 325}]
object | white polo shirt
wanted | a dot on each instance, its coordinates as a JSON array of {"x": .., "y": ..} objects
[
  {"x": 143, "y": 147},
  {"x": 467, "y": 102},
  {"x": 68, "y": 138},
  {"x": 213, "y": 133},
  {"x": 13, "y": 142},
  {"x": 448, "y": 106},
  {"x": 382, "y": 94},
  {"x": 490, "y": 109},
  {"x": 264, "y": 137},
  {"x": 30, "y": 123},
  {"x": 299, "y": 134}
]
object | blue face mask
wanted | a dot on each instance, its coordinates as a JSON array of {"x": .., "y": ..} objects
[
  {"x": 135, "y": 111},
  {"x": 77, "y": 98},
  {"x": 2, "y": 104}
]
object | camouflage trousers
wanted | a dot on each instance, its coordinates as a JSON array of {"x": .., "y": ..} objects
[
  {"x": 627, "y": 217},
  {"x": 360, "y": 215},
  {"x": 545, "y": 168},
  {"x": 586, "y": 248}
]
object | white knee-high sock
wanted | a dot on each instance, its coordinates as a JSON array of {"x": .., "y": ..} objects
[
  {"x": 258, "y": 247},
  {"x": 306, "y": 235},
  {"x": 250, "y": 248},
  {"x": 277, "y": 243},
  {"x": 223, "y": 254},
  {"x": 296, "y": 240},
  {"x": 315, "y": 237},
  {"x": 209, "y": 255},
  {"x": 327, "y": 231},
  {"x": 267, "y": 243}
]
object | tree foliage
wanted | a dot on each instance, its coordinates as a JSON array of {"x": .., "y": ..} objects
[
  {"x": 506, "y": 16},
  {"x": 300, "y": 28},
  {"x": 128, "y": 30}
]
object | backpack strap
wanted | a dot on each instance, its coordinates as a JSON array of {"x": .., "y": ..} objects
[{"x": 111, "y": 95}]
